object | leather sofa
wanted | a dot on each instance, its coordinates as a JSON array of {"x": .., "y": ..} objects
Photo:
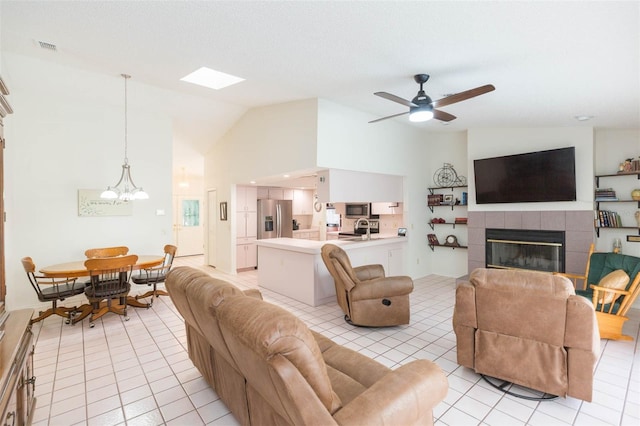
[
  {"x": 270, "y": 369},
  {"x": 527, "y": 328}
]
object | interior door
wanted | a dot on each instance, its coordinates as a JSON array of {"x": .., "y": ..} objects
[
  {"x": 188, "y": 228},
  {"x": 212, "y": 228}
]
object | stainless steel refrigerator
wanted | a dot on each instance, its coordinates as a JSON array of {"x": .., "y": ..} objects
[{"x": 275, "y": 219}]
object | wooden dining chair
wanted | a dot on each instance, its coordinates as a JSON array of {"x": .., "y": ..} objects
[
  {"x": 106, "y": 252},
  {"x": 109, "y": 285},
  {"x": 155, "y": 275},
  {"x": 52, "y": 290}
]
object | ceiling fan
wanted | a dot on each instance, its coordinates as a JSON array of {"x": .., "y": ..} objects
[{"x": 422, "y": 108}]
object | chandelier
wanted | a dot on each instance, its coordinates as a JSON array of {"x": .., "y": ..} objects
[{"x": 125, "y": 189}]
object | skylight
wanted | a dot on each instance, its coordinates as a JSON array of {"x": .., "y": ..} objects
[{"x": 211, "y": 78}]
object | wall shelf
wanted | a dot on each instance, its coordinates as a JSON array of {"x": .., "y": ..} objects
[
  {"x": 435, "y": 196},
  {"x": 624, "y": 201},
  {"x": 432, "y": 224},
  {"x": 433, "y": 246}
]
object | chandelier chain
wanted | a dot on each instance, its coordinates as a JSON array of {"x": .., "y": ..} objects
[{"x": 126, "y": 126}]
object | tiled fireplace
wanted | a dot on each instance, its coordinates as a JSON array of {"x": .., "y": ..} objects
[{"x": 575, "y": 226}]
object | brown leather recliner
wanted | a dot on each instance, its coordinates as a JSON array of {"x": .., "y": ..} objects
[
  {"x": 528, "y": 328},
  {"x": 366, "y": 296}
]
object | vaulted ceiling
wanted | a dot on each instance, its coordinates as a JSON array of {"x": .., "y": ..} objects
[{"x": 549, "y": 61}]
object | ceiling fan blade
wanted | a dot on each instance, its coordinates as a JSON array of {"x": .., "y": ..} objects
[
  {"x": 443, "y": 116},
  {"x": 463, "y": 96},
  {"x": 389, "y": 116},
  {"x": 395, "y": 98}
]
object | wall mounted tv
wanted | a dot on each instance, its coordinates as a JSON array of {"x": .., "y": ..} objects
[{"x": 541, "y": 176}]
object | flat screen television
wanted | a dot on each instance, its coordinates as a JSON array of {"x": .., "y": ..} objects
[{"x": 541, "y": 176}]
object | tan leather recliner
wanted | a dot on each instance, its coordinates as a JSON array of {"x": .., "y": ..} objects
[
  {"x": 528, "y": 328},
  {"x": 366, "y": 296}
]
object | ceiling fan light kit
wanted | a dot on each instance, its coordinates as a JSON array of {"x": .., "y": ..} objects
[
  {"x": 421, "y": 113},
  {"x": 422, "y": 108}
]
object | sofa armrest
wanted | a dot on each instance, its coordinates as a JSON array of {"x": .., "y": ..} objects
[
  {"x": 465, "y": 323},
  {"x": 581, "y": 329},
  {"x": 464, "y": 311},
  {"x": 369, "y": 272},
  {"x": 382, "y": 287},
  {"x": 405, "y": 396},
  {"x": 582, "y": 341},
  {"x": 574, "y": 279},
  {"x": 253, "y": 292}
]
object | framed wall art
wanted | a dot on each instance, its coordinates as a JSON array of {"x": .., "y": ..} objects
[
  {"x": 91, "y": 205},
  {"x": 223, "y": 210}
]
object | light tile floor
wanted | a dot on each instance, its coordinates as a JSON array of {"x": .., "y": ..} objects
[{"x": 138, "y": 372}]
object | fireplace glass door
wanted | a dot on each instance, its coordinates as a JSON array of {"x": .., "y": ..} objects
[{"x": 525, "y": 249}]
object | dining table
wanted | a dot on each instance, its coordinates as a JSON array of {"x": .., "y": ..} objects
[{"x": 76, "y": 269}]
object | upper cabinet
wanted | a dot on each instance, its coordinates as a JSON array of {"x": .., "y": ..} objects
[
  {"x": 273, "y": 193},
  {"x": 386, "y": 208},
  {"x": 344, "y": 186},
  {"x": 246, "y": 199},
  {"x": 302, "y": 201}
]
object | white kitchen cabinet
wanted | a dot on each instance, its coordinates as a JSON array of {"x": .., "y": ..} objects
[
  {"x": 302, "y": 201},
  {"x": 274, "y": 193},
  {"x": 386, "y": 208},
  {"x": 347, "y": 186},
  {"x": 246, "y": 224},
  {"x": 246, "y": 199},
  {"x": 247, "y": 255},
  {"x": 246, "y": 227},
  {"x": 394, "y": 265},
  {"x": 263, "y": 193}
]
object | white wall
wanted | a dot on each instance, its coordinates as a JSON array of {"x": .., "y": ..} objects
[
  {"x": 347, "y": 141},
  {"x": 267, "y": 141},
  {"x": 67, "y": 133},
  {"x": 448, "y": 148},
  {"x": 483, "y": 143}
]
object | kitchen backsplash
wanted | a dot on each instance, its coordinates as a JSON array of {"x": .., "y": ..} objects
[{"x": 389, "y": 223}]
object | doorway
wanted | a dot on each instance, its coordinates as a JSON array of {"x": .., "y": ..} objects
[
  {"x": 188, "y": 228},
  {"x": 212, "y": 227}
]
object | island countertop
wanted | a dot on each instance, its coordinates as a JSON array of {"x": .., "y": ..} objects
[
  {"x": 314, "y": 247},
  {"x": 294, "y": 267}
]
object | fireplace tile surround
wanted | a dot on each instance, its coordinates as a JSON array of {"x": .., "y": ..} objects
[{"x": 577, "y": 224}]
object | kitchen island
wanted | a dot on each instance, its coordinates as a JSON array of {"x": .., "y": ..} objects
[{"x": 294, "y": 267}]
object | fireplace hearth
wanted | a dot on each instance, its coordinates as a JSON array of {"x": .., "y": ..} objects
[{"x": 537, "y": 250}]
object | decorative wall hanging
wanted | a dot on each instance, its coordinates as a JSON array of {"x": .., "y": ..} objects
[{"x": 90, "y": 204}]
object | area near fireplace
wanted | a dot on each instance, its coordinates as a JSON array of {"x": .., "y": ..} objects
[
  {"x": 576, "y": 225},
  {"x": 537, "y": 250}
]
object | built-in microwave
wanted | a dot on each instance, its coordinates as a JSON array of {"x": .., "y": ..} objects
[{"x": 358, "y": 210}]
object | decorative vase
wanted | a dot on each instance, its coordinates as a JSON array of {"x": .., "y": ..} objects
[
  {"x": 635, "y": 194},
  {"x": 617, "y": 246}
]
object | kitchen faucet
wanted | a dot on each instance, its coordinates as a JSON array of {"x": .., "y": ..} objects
[{"x": 364, "y": 219}]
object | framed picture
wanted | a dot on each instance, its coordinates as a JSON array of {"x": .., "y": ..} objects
[
  {"x": 223, "y": 210},
  {"x": 91, "y": 205},
  {"x": 433, "y": 240},
  {"x": 447, "y": 199}
]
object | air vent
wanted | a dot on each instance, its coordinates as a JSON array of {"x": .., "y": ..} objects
[{"x": 48, "y": 46}]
